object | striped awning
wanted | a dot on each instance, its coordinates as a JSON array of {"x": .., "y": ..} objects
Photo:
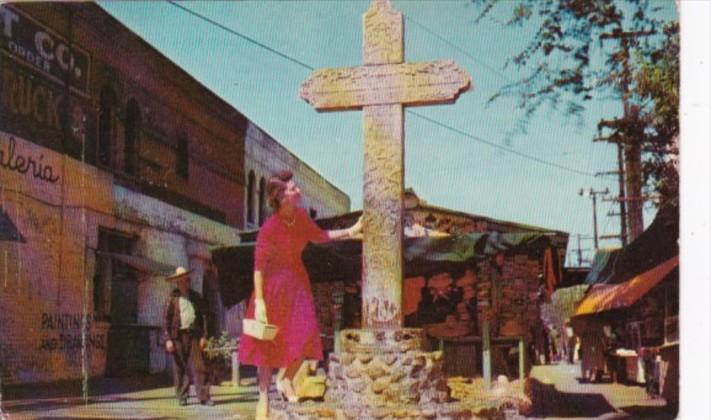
[{"x": 606, "y": 297}]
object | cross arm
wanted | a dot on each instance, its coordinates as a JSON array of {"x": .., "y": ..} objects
[{"x": 422, "y": 83}]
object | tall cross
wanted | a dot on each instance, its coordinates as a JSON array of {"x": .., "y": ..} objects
[{"x": 381, "y": 88}]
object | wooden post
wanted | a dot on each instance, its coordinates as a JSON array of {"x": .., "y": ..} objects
[
  {"x": 486, "y": 353},
  {"x": 235, "y": 369},
  {"x": 522, "y": 361}
]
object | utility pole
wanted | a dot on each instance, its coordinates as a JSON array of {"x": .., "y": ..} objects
[
  {"x": 579, "y": 251},
  {"x": 621, "y": 195},
  {"x": 629, "y": 143},
  {"x": 593, "y": 194},
  {"x": 620, "y": 172},
  {"x": 633, "y": 184},
  {"x": 622, "y": 235}
]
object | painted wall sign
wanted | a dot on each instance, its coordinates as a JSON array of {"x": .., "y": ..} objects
[
  {"x": 30, "y": 168},
  {"x": 13, "y": 160},
  {"x": 72, "y": 342},
  {"x": 36, "y": 46},
  {"x": 26, "y": 96},
  {"x": 26, "y": 161},
  {"x": 63, "y": 321},
  {"x": 69, "y": 338},
  {"x": 40, "y": 110}
]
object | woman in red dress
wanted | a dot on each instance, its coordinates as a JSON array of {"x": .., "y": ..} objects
[{"x": 282, "y": 292}]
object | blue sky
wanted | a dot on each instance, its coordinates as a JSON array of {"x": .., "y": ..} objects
[{"x": 445, "y": 168}]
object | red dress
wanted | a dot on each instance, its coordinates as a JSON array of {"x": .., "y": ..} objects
[{"x": 287, "y": 294}]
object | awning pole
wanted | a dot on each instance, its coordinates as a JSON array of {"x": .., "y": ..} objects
[
  {"x": 522, "y": 361},
  {"x": 486, "y": 353}
]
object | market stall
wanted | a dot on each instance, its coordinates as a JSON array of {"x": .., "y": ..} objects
[
  {"x": 477, "y": 295},
  {"x": 628, "y": 321}
]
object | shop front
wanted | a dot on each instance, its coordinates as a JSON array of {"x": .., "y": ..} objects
[{"x": 629, "y": 330}]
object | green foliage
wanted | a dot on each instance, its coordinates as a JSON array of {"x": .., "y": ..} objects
[
  {"x": 657, "y": 81},
  {"x": 220, "y": 348},
  {"x": 588, "y": 49},
  {"x": 557, "y": 62},
  {"x": 658, "y": 86}
]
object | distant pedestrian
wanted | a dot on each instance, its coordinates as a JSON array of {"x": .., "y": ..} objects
[
  {"x": 554, "y": 342},
  {"x": 540, "y": 343},
  {"x": 185, "y": 330},
  {"x": 570, "y": 342},
  {"x": 592, "y": 346}
]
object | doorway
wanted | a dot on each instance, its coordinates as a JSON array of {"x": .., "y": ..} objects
[{"x": 116, "y": 300}]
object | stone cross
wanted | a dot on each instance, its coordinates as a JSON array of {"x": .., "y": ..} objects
[{"x": 381, "y": 88}]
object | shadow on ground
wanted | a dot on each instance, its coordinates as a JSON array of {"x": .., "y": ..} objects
[
  {"x": 87, "y": 418},
  {"x": 650, "y": 413},
  {"x": 73, "y": 388},
  {"x": 550, "y": 402},
  {"x": 41, "y": 405}
]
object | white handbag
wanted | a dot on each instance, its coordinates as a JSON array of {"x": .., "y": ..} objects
[{"x": 259, "y": 330}]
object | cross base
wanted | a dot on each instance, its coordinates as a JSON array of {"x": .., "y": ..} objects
[
  {"x": 318, "y": 411},
  {"x": 381, "y": 373}
]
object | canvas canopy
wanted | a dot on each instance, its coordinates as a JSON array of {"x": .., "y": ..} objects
[
  {"x": 655, "y": 245},
  {"x": 603, "y": 265},
  {"x": 605, "y": 297},
  {"x": 142, "y": 264},
  {"x": 341, "y": 260},
  {"x": 658, "y": 243},
  {"x": 621, "y": 277}
]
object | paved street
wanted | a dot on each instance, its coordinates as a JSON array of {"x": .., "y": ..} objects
[{"x": 556, "y": 394}]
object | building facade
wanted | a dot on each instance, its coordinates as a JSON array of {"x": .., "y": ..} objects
[{"x": 116, "y": 166}]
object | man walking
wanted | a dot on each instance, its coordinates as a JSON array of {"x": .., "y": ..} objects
[{"x": 185, "y": 331}]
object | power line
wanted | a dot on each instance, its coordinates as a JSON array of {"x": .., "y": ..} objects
[
  {"x": 458, "y": 48},
  {"x": 245, "y": 37},
  {"x": 440, "y": 124},
  {"x": 488, "y": 67},
  {"x": 608, "y": 219},
  {"x": 498, "y": 146}
]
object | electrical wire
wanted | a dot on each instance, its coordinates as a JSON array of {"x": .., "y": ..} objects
[{"x": 431, "y": 120}]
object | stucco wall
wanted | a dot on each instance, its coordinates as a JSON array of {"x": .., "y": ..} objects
[
  {"x": 46, "y": 282},
  {"x": 43, "y": 279}
]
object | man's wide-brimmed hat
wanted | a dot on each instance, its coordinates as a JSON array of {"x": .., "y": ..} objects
[{"x": 180, "y": 272}]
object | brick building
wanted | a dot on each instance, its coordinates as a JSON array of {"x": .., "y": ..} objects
[{"x": 116, "y": 166}]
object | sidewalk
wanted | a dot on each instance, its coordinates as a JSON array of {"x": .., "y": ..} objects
[
  {"x": 558, "y": 393},
  {"x": 138, "y": 398},
  {"x": 555, "y": 392}
]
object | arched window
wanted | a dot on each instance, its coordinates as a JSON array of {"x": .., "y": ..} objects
[
  {"x": 181, "y": 157},
  {"x": 107, "y": 112},
  {"x": 133, "y": 132},
  {"x": 250, "y": 197},
  {"x": 262, "y": 201}
]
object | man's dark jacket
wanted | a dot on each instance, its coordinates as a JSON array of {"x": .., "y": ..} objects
[{"x": 171, "y": 327}]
